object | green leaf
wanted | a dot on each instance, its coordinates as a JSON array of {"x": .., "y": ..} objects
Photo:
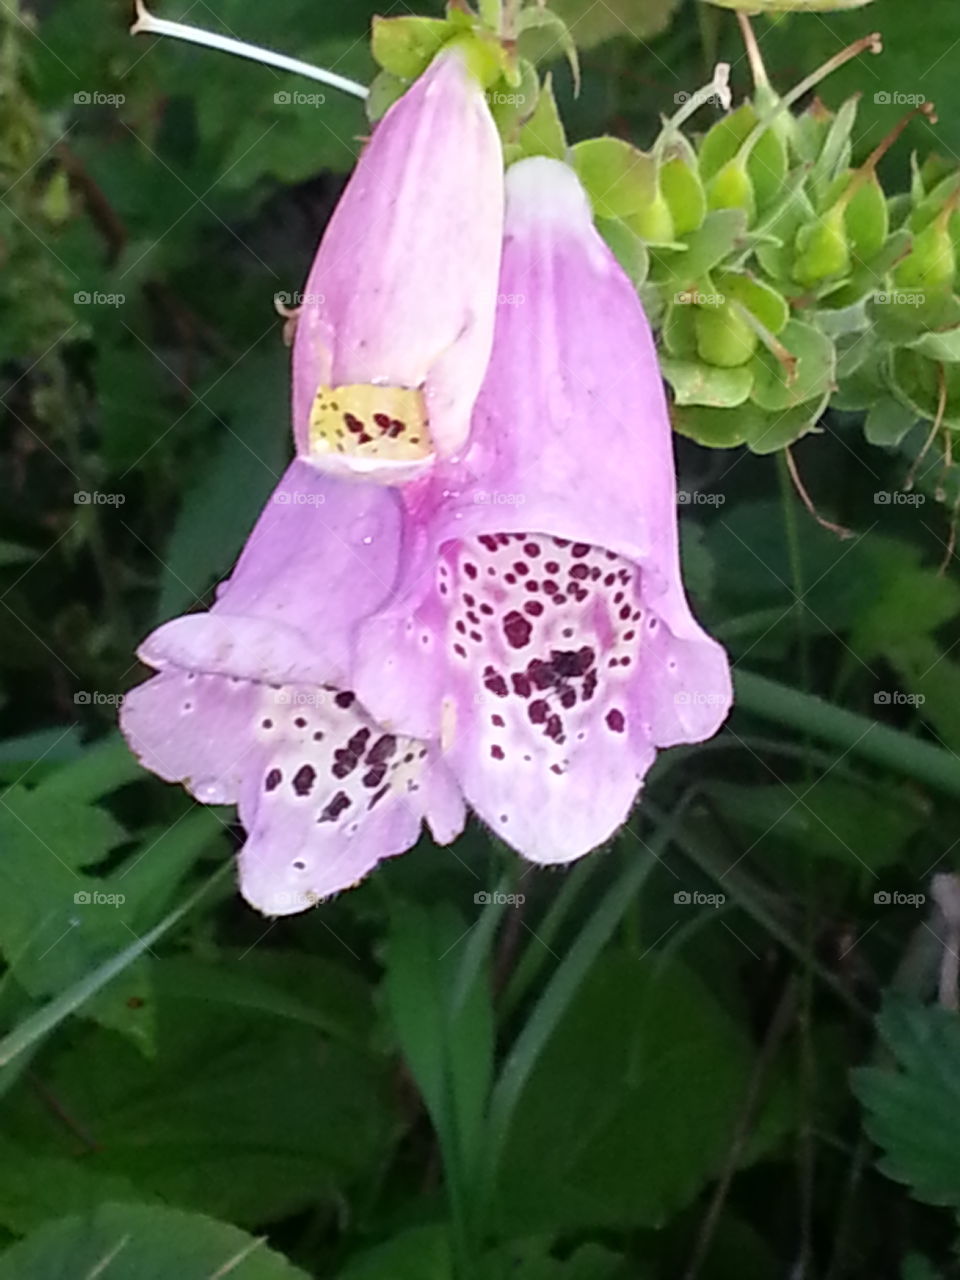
[
  {"x": 590, "y": 24},
  {"x": 143, "y": 1242},
  {"x": 233, "y": 1116},
  {"x": 939, "y": 346},
  {"x": 542, "y": 35},
  {"x": 419, "y": 1253},
  {"x": 444, "y": 1029},
  {"x": 405, "y": 46},
  {"x": 667, "y": 1072},
  {"x": 694, "y": 382},
  {"x": 618, "y": 178},
  {"x": 779, "y": 387},
  {"x": 912, "y": 1111},
  {"x": 543, "y": 134}
]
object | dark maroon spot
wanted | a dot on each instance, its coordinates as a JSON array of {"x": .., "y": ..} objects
[
  {"x": 550, "y": 587},
  {"x": 559, "y": 598},
  {"x": 615, "y": 720},
  {"x": 344, "y": 763},
  {"x": 470, "y": 570},
  {"x": 625, "y": 613},
  {"x": 382, "y": 749},
  {"x": 345, "y": 699},
  {"x": 352, "y": 423},
  {"x": 461, "y": 627},
  {"x": 378, "y": 796},
  {"x": 300, "y": 722},
  {"x": 517, "y": 629},
  {"x": 358, "y": 743},
  {"x": 498, "y": 722},
  {"x": 579, "y": 549},
  {"x": 610, "y": 579},
  {"x": 373, "y": 777},
  {"x": 274, "y": 778},
  {"x": 476, "y": 637},
  {"x": 510, "y": 578},
  {"x": 397, "y": 428},
  {"x": 552, "y": 567},
  {"x": 618, "y": 597},
  {"x": 589, "y": 686},
  {"x": 531, "y": 549},
  {"x": 534, "y": 608},
  {"x": 382, "y": 420},
  {"x": 521, "y": 685},
  {"x": 336, "y": 806},
  {"x": 496, "y": 752},
  {"x": 521, "y": 568},
  {"x": 469, "y": 600},
  {"x": 629, "y": 635},
  {"x": 555, "y": 768},
  {"x": 318, "y": 736},
  {"x": 486, "y": 610},
  {"x": 572, "y": 662},
  {"x": 267, "y": 724},
  {"x": 537, "y": 711},
  {"x": 568, "y": 699},
  {"x": 554, "y": 728},
  {"x": 561, "y": 542},
  {"x": 495, "y": 682},
  {"x": 541, "y": 673},
  {"x": 487, "y": 540},
  {"x": 304, "y": 779},
  {"x": 472, "y": 617},
  {"x": 459, "y": 650},
  {"x": 580, "y": 572}
]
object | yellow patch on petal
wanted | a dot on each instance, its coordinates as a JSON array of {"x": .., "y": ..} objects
[{"x": 365, "y": 421}]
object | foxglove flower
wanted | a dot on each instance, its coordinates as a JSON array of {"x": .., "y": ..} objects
[
  {"x": 253, "y": 703},
  {"x": 394, "y": 333},
  {"x": 542, "y": 621}
]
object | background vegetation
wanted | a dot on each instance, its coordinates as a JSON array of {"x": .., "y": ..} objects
[{"x": 667, "y": 1062}]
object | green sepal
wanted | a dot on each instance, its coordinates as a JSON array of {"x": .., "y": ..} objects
[{"x": 618, "y": 177}]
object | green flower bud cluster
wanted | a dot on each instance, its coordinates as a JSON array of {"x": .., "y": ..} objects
[{"x": 780, "y": 276}]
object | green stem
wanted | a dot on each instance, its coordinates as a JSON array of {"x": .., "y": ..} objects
[{"x": 899, "y": 752}]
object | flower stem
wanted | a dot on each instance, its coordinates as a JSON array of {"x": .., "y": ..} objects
[{"x": 147, "y": 24}]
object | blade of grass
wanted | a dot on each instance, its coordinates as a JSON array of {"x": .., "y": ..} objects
[
  {"x": 46, "y": 1019},
  {"x": 560, "y": 991}
]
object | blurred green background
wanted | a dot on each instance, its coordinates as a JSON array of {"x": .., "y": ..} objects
[{"x": 665, "y": 1063}]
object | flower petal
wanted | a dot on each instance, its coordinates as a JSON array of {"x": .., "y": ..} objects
[
  {"x": 554, "y": 544},
  {"x": 329, "y": 796},
  {"x": 402, "y": 292}
]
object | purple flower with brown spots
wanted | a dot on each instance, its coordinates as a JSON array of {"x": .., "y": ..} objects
[
  {"x": 541, "y": 621},
  {"x": 394, "y": 333},
  {"x": 253, "y": 703}
]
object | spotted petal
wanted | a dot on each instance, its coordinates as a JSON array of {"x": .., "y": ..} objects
[
  {"x": 543, "y": 611},
  {"x": 252, "y": 701}
]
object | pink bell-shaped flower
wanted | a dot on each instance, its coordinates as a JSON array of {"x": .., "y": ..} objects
[
  {"x": 394, "y": 333},
  {"x": 541, "y": 619}
]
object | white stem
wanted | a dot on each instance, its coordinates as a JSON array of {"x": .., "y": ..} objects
[{"x": 150, "y": 25}]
